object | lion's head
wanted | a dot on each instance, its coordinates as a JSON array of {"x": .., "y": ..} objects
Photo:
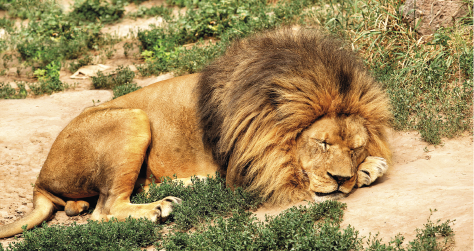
[{"x": 291, "y": 115}]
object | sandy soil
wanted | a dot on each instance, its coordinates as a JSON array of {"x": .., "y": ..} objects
[{"x": 424, "y": 177}]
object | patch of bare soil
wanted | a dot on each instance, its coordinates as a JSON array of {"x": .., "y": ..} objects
[{"x": 424, "y": 177}]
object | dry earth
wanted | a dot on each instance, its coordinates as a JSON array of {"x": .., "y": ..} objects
[{"x": 424, "y": 177}]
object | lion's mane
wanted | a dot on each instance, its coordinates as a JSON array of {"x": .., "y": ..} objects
[{"x": 265, "y": 90}]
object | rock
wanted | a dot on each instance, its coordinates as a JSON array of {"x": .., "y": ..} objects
[{"x": 432, "y": 14}]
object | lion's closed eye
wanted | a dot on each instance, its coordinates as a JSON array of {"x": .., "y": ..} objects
[{"x": 323, "y": 144}]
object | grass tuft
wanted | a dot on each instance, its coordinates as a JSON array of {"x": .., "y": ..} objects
[
  {"x": 132, "y": 234},
  {"x": 203, "y": 201}
]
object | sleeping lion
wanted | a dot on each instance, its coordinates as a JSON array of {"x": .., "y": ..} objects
[{"x": 288, "y": 114}]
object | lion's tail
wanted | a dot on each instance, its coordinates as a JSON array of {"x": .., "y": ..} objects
[{"x": 44, "y": 209}]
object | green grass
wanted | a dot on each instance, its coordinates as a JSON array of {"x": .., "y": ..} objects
[{"x": 219, "y": 220}]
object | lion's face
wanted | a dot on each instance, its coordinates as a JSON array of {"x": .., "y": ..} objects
[{"x": 329, "y": 153}]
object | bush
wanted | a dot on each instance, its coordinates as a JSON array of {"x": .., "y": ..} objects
[
  {"x": 48, "y": 80},
  {"x": 96, "y": 10},
  {"x": 7, "y": 92},
  {"x": 121, "y": 90},
  {"x": 112, "y": 235},
  {"x": 121, "y": 76},
  {"x": 203, "y": 201}
]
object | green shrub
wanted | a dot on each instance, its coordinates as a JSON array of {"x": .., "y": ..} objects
[
  {"x": 96, "y": 10},
  {"x": 6, "y": 23},
  {"x": 121, "y": 90},
  {"x": 75, "y": 65},
  {"x": 203, "y": 201},
  {"x": 52, "y": 38},
  {"x": 29, "y": 9},
  {"x": 48, "y": 80},
  {"x": 7, "y": 92},
  {"x": 224, "y": 20},
  {"x": 153, "y": 11},
  {"x": 132, "y": 234},
  {"x": 121, "y": 76}
]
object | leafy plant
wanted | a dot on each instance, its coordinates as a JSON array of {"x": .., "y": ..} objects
[
  {"x": 29, "y": 9},
  {"x": 127, "y": 47},
  {"x": 112, "y": 235},
  {"x": 8, "y": 92},
  {"x": 202, "y": 201},
  {"x": 75, "y": 65},
  {"x": 96, "y": 10},
  {"x": 48, "y": 80},
  {"x": 121, "y": 76},
  {"x": 124, "y": 89},
  {"x": 161, "y": 11}
]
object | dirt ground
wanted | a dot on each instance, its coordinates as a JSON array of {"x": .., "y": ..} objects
[{"x": 424, "y": 177}]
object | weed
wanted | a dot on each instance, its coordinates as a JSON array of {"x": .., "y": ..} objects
[
  {"x": 428, "y": 84},
  {"x": 51, "y": 39},
  {"x": 48, "y": 80},
  {"x": 153, "y": 11},
  {"x": 96, "y": 10},
  {"x": 6, "y": 58},
  {"x": 203, "y": 201},
  {"x": 121, "y": 90},
  {"x": 127, "y": 47},
  {"x": 75, "y": 65},
  {"x": 112, "y": 235},
  {"x": 109, "y": 52},
  {"x": 121, "y": 76},
  {"x": 7, "y": 24},
  {"x": 29, "y": 9},
  {"x": 8, "y": 92}
]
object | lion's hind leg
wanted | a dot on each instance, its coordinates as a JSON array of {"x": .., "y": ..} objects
[
  {"x": 371, "y": 169},
  {"x": 124, "y": 140}
]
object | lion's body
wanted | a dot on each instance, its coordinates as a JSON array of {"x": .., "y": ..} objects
[{"x": 288, "y": 115}]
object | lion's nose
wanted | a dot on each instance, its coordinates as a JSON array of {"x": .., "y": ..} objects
[{"x": 339, "y": 179}]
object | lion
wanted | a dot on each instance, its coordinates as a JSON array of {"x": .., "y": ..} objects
[{"x": 287, "y": 114}]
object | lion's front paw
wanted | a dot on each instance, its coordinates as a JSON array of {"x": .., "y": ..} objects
[{"x": 371, "y": 169}]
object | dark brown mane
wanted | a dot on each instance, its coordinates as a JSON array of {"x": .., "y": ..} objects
[{"x": 256, "y": 99}]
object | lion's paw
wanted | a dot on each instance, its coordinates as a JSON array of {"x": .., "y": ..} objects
[
  {"x": 371, "y": 169},
  {"x": 165, "y": 206}
]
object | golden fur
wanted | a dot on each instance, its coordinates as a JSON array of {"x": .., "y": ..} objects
[{"x": 287, "y": 114}]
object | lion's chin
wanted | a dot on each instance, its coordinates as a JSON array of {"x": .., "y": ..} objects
[{"x": 320, "y": 197}]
